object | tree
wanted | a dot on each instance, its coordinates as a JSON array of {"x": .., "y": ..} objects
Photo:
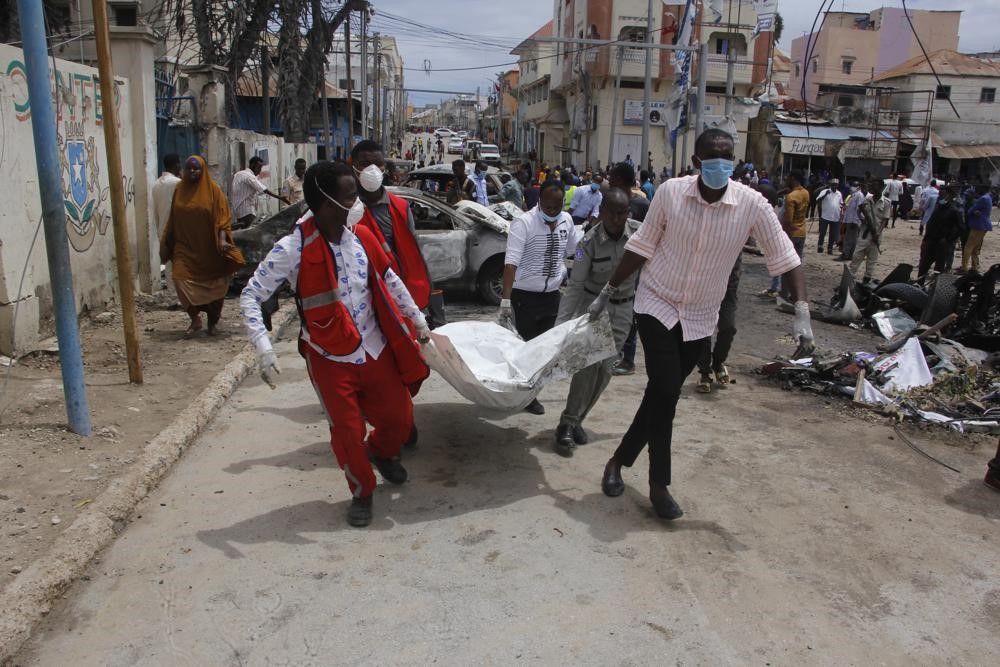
[
  {"x": 298, "y": 33},
  {"x": 779, "y": 27}
]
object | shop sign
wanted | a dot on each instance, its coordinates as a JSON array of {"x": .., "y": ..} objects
[
  {"x": 802, "y": 146},
  {"x": 633, "y": 113}
]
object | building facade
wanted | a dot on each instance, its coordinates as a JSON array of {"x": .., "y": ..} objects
[
  {"x": 851, "y": 48},
  {"x": 583, "y": 103},
  {"x": 966, "y": 143}
]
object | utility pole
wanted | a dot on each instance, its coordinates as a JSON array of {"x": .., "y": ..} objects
[
  {"x": 350, "y": 86},
  {"x": 702, "y": 86},
  {"x": 647, "y": 93},
  {"x": 364, "y": 73},
  {"x": 479, "y": 132},
  {"x": 378, "y": 84},
  {"x": 325, "y": 101},
  {"x": 500, "y": 83},
  {"x": 43, "y": 130},
  {"x": 116, "y": 181},
  {"x": 614, "y": 107},
  {"x": 265, "y": 87}
]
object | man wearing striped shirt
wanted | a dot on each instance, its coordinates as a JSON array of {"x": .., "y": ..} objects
[
  {"x": 692, "y": 235},
  {"x": 538, "y": 243}
]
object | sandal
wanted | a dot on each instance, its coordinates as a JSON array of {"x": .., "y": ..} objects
[
  {"x": 704, "y": 385},
  {"x": 194, "y": 328},
  {"x": 722, "y": 378}
]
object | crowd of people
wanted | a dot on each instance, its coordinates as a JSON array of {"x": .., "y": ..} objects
[{"x": 660, "y": 260}]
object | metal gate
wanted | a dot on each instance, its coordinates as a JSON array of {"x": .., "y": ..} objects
[{"x": 176, "y": 119}]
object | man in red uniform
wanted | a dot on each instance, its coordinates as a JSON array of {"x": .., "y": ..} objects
[
  {"x": 358, "y": 335},
  {"x": 389, "y": 218}
]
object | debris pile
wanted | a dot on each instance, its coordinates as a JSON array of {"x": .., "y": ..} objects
[{"x": 916, "y": 374}]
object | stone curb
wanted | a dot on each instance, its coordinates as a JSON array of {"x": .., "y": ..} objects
[{"x": 29, "y": 598}]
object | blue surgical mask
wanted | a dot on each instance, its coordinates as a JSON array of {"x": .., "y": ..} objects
[
  {"x": 595, "y": 187},
  {"x": 715, "y": 173},
  {"x": 548, "y": 218}
]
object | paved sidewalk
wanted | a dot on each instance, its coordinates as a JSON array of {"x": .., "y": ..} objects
[{"x": 802, "y": 544}]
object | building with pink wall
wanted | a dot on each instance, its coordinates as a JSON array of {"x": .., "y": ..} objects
[{"x": 851, "y": 48}]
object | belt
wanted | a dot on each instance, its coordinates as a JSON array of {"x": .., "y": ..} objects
[{"x": 621, "y": 301}]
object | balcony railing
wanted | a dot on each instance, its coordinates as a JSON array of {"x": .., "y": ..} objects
[{"x": 718, "y": 67}]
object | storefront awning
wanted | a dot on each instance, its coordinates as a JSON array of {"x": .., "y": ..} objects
[
  {"x": 968, "y": 152},
  {"x": 828, "y": 132}
]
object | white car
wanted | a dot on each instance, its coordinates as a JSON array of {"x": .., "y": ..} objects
[
  {"x": 455, "y": 146},
  {"x": 463, "y": 134},
  {"x": 443, "y": 132},
  {"x": 490, "y": 154}
]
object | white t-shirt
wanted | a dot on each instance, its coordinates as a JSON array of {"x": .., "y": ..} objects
[
  {"x": 893, "y": 189},
  {"x": 163, "y": 198},
  {"x": 829, "y": 206}
]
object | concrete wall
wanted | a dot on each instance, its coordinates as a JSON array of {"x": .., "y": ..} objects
[{"x": 85, "y": 191}]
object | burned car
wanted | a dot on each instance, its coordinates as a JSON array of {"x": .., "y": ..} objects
[
  {"x": 464, "y": 249},
  {"x": 436, "y": 179}
]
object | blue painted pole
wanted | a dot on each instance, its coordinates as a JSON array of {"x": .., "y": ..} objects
[{"x": 43, "y": 129}]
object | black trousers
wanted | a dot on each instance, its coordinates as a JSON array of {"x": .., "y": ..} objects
[
  {"x": 713, "y": 359},
  {"x": 534, "y": 312},
  {"x": 669, "y": 360}
]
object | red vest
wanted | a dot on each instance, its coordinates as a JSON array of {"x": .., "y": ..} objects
[
  {"x": 407, "y": 262},
  {"x": 327, "y": 319}
]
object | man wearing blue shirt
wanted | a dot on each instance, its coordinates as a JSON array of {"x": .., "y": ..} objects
[
  {"x": 585, "y": 206},
  {"x": 978, "y": 222},
  {"x": 479, "y": 180},
  {"x": 646, "y": 185}
]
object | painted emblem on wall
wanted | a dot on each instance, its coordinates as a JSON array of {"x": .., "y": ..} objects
[
  {"x": 78, "y": 113},
  {"x": 82, "y": 196}
]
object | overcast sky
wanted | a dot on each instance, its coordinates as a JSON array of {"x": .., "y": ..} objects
[{"x": 504, "y": 23}]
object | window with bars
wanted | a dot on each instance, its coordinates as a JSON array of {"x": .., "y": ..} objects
[{"x": 987, "y": 95}]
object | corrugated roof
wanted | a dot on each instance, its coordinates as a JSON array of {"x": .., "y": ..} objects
[
  {"x": 946, "y": 62},
  {"x": 968, "y": 152},
  {"x": 828, "y": 132}
]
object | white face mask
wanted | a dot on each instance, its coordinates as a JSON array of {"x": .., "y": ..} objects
[
  {"x": 354, "y": 213},
  {"x": 370, "y": 178}
]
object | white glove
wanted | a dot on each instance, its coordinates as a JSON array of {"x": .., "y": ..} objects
[
  {"x": 600, "y": 304},
  {"x": 802, "y": 330},
  {"x": 505, "y": 316},
  {"x": 423, "y": 334},
  {"x": 267, "y": 362}
]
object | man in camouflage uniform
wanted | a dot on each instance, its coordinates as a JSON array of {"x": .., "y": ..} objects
[{"x": 596, "y": 257}]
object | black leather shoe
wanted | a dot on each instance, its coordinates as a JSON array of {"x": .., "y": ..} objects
[
  {"x": 564, "y": 440},
  {"x": 612, "y": 484},
  {"x": 360, "y": 513},
  {"x": 391, "y": 469},
  {"x": 664, "y": 504},
  {"x": 580, "y": 436},
  {"x": 535, "y": 407},
  {"x": 411, "y": 442}
]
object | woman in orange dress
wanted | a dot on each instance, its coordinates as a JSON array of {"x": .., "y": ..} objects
[{"x": 198, "y": 240}]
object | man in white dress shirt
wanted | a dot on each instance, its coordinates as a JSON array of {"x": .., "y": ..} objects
[{"x": 538, "y": 243}]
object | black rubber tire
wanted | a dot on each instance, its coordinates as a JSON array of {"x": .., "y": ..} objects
[
  {"x": 914, "y": 298},
  {"x": 489, "y": 282},
  {"x": 942, "y": 299}
]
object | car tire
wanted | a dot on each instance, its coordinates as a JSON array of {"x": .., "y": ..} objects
[
  {"x": 489, "y": 282},
  {"x": 914, "y": 298},
  {"x": 942, "y": 299}
]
